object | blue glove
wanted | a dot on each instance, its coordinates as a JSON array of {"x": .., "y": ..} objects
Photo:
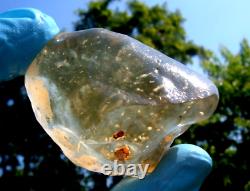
[
  {"x": 24, "y": 32},
  {"x": 183, "y": 168}
]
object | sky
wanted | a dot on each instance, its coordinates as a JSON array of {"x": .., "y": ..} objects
[
  {"x": 214, "y": 23},
  {"x": 210, "y": 23}
]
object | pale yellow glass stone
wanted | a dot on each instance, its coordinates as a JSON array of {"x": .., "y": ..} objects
[{"x": 103, "y": 96}]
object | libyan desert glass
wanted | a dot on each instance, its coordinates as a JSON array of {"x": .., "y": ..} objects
[{"x": 103, "y": 96}]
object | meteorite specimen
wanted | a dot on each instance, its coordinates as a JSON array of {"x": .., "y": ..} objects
[{"x": 103, "y": 96}]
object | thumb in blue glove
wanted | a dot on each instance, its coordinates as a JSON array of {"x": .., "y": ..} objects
[
  {"x": 183, "y": 168},
  {"x": 23, "y": 33}
]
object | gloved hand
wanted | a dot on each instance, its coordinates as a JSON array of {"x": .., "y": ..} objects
[{"x": 23, "y": 33}]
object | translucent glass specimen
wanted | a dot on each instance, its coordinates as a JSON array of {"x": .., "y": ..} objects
[{"x": 103, "y": 96}]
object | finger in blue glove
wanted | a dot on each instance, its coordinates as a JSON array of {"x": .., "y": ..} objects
[
  {"x": 23, "y": 33},
  {"x": 183, "y": 168}
]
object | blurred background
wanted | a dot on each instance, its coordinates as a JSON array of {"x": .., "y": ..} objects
[{"x": 209, "y": 36}]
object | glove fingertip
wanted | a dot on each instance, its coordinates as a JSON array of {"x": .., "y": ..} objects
[{"x": 23, "y": 33}]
